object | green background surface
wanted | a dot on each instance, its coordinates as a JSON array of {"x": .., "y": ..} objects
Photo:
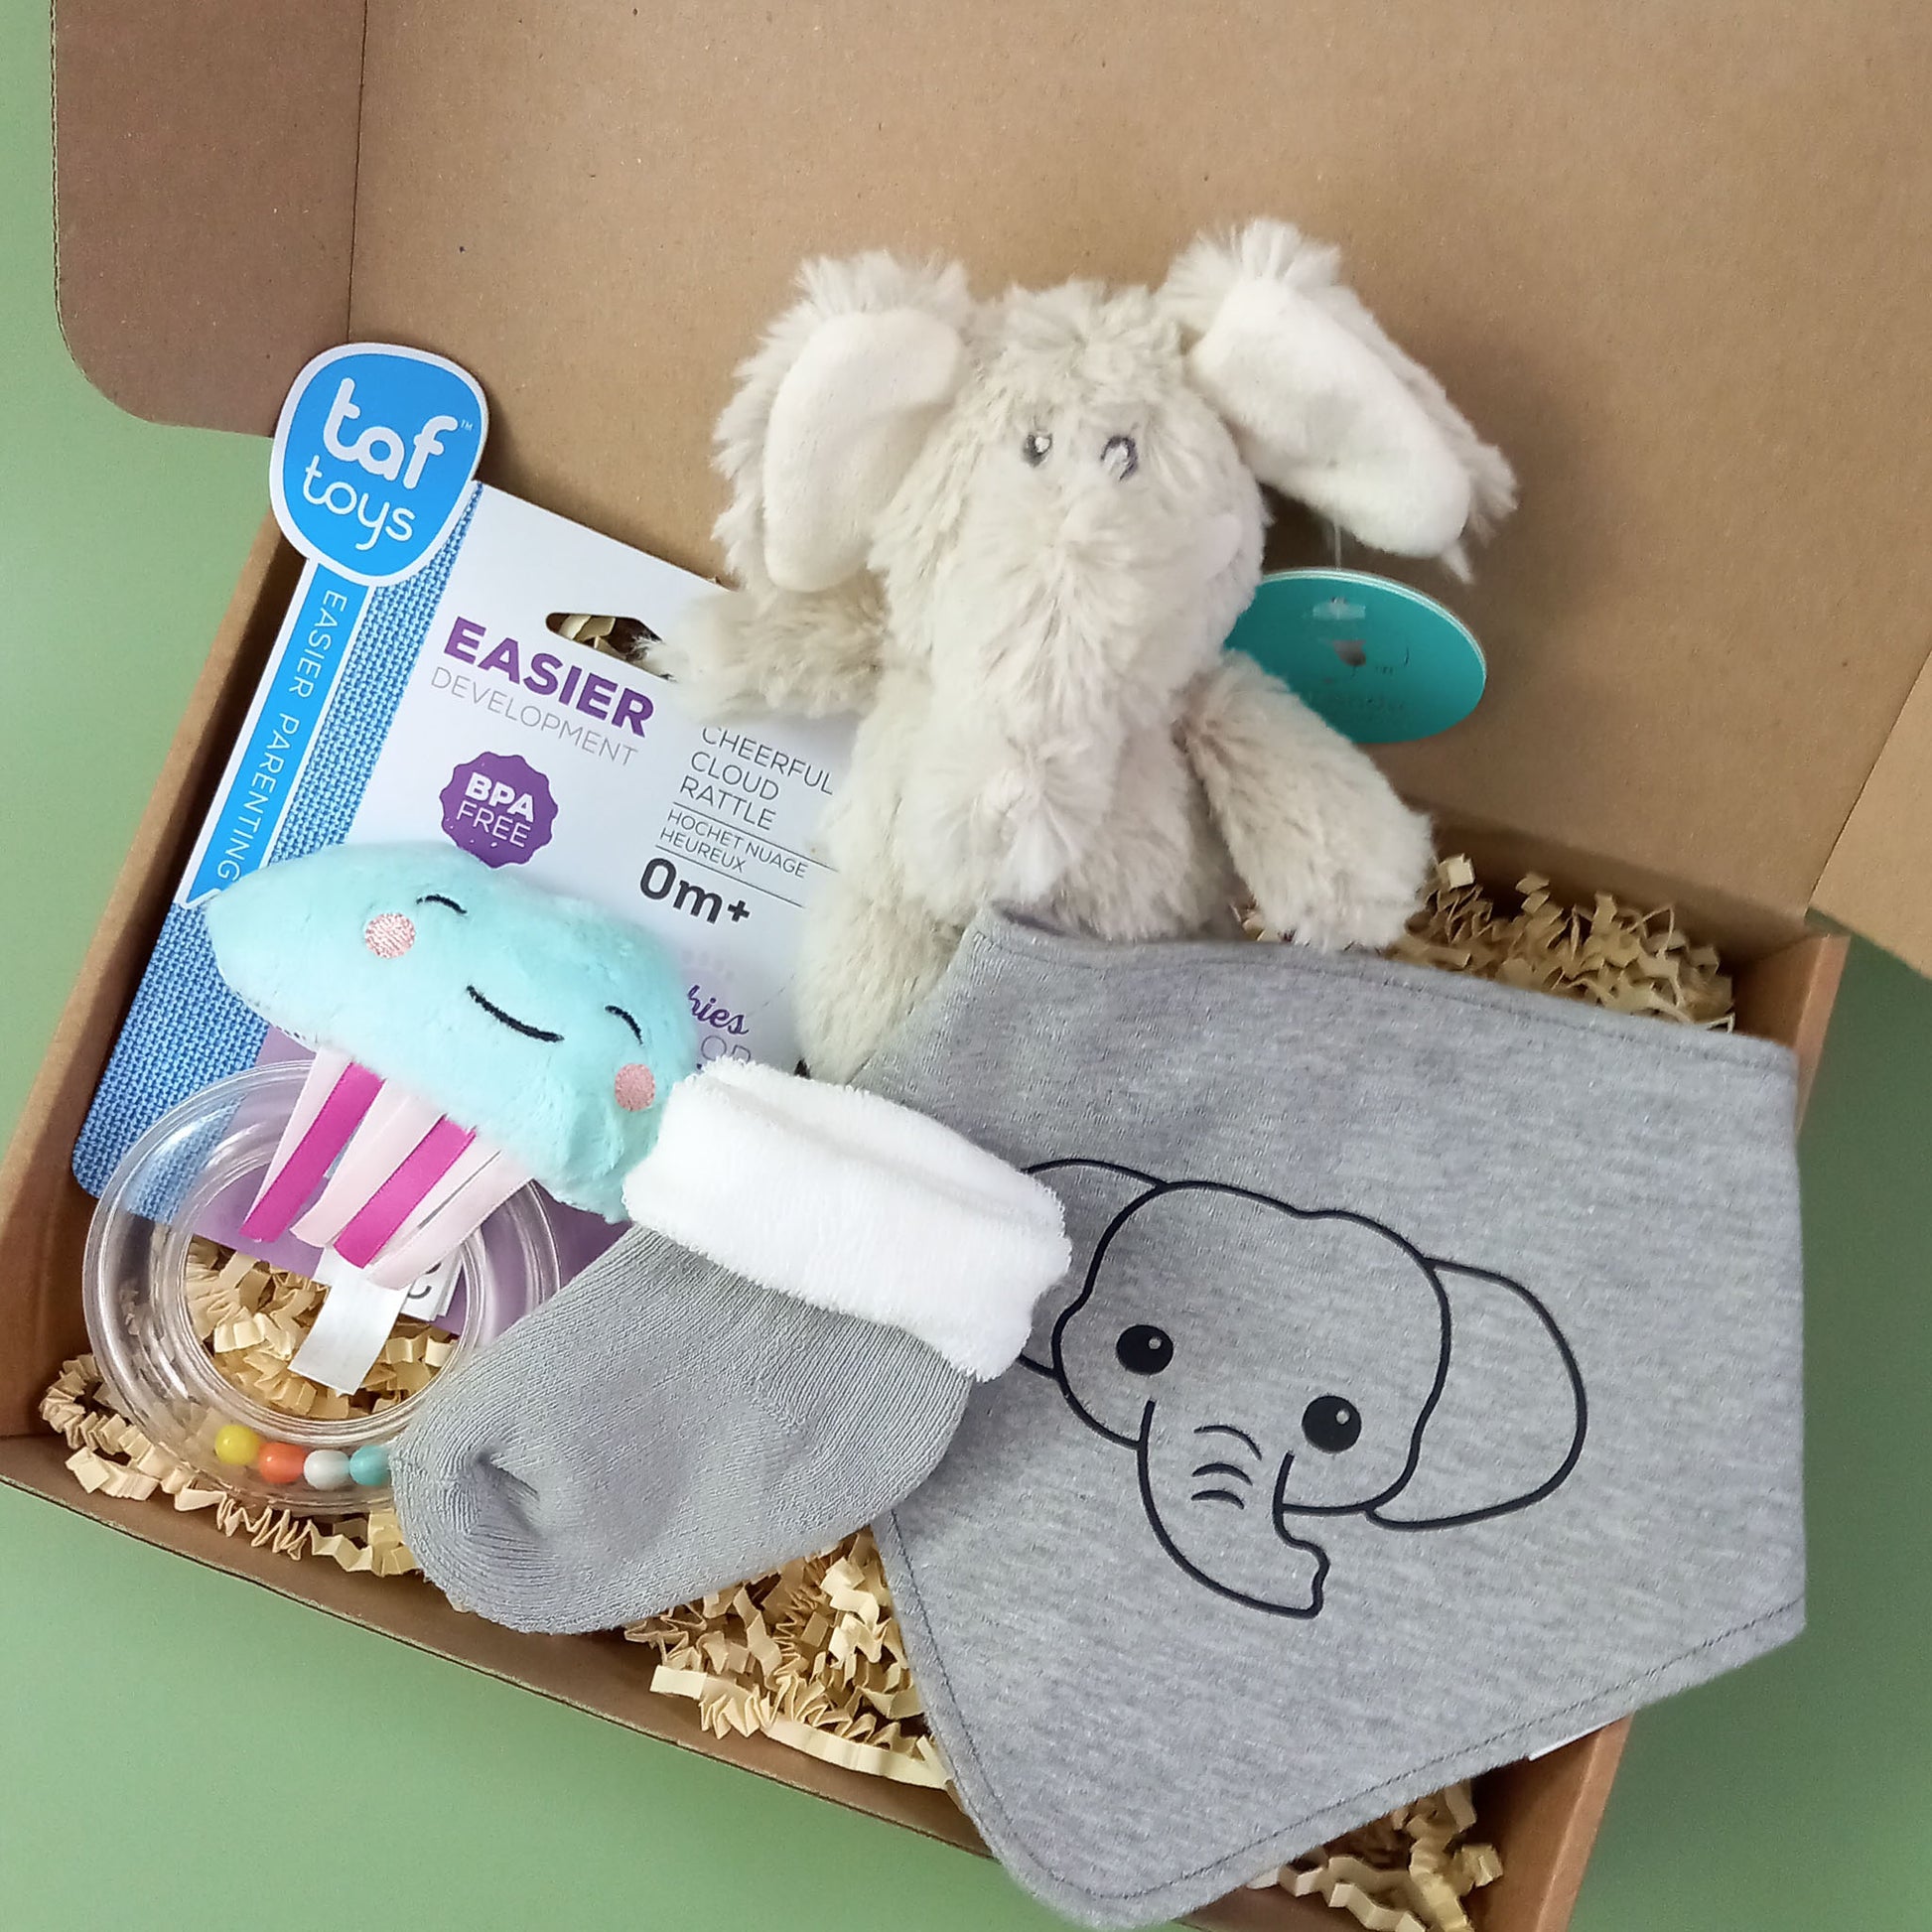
[{"x": 182, "y": 1753}]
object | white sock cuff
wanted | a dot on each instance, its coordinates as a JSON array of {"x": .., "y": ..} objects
[{"x": 846, "y": 1200}]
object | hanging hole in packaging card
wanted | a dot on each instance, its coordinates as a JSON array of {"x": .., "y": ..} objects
[
  {"x": 628, "y": 639},
  {"x": 150, "y": 1296},
  {"x": 1379, "y": 661}
]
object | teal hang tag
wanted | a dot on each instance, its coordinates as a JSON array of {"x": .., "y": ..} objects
[{"x": 1379, "y": 661}]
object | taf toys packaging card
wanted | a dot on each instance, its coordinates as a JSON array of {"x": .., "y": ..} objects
[{"x": 438, "y": 676}]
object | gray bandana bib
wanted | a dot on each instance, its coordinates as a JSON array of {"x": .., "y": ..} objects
[{"x": 1425, "y": 1392}]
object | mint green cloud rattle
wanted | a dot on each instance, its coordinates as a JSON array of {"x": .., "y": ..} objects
[{"x": 472, "y": 1033}]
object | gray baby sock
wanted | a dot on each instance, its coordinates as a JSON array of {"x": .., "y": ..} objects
[{"x": 780, "y": 1352}]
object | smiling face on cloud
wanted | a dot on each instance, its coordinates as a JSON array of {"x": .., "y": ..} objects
[{"x": 551, "y": 1028}]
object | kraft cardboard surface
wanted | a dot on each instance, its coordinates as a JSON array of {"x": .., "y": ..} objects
[
  {"x": 1675, "y": 261},
  {"x": 1889, "y": 838},
  {"x": 207, "y": 198}
]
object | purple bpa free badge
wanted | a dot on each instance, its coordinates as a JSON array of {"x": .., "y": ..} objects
[{"x": 497, "y": 807}]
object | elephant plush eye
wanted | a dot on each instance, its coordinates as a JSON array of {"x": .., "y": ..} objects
[
  {"x": 1332, "y": 1423},
  {"x": 1144, "y": 1349},
  {"x": 1035, "y": 446},
  {"x": 1120, "y": 456}
]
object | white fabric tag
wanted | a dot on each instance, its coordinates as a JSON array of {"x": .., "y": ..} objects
[{"x": 356, "y": 1319}]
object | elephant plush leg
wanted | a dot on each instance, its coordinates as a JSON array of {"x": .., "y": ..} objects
[
  {"x": 1332, "y": 857},
  {"x": 864, "y": 964}
]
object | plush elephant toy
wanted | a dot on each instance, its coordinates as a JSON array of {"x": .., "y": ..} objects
[
  {"x": 1013, "y": 534},
  {"x": 1398, "y": 1389}
]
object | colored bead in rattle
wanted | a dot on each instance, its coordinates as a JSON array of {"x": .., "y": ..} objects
[{"x": 238, "y": 1447}]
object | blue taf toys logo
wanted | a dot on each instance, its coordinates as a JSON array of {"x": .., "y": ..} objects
[{"x": 373, "y": 453}]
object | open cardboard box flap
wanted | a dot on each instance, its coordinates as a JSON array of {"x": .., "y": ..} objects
[
  {"x": 1673, "y": 264},
  {"x": 1677, "y": 265}
]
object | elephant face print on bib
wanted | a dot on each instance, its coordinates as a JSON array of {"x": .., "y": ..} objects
[
  {"x": 1383, "y": 1383},
  {"x": 1423, "y": 1392}
]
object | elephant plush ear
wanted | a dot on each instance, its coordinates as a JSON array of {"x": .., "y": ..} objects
[
  {"x": 830, "y": 412},
  {"x": 1095, "y": 1194},
  {"x": 1508, "y": 1425},
  {"x": 1324, "y": 406}
]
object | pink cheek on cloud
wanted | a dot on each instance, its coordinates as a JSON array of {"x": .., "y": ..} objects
[
  {"x": 635, "y": 1089},
  {"x": 389, "y": 935}
]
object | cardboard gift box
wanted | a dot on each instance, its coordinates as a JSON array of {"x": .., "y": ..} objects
[{"x": 1669, "y": 261}]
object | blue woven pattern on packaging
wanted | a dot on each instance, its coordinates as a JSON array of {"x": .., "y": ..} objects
[{"x": 184, "y": 1027}]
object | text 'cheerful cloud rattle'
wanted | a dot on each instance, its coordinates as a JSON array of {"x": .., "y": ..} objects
[{"x": 470, "y": 1033}]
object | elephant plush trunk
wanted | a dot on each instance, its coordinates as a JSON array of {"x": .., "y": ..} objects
[
  {"x": 1068, "y": 615},
  {"x": 1048, "y": 650}
]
